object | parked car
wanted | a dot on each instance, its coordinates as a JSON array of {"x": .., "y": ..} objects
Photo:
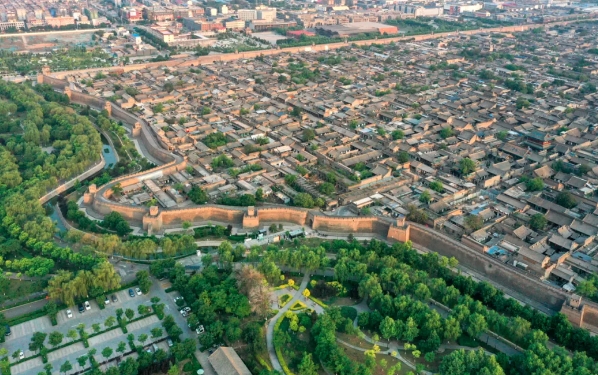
[
  {"x": 199, "y": 330},
  {"x": 69, "y": 314},
  {"x": 138, "y": 291},
  {"x": 8, "y": 332},
  {"x": 170, "y": 343},
  {"x": 21, "y": 355},
  {"x": 81, "y": 308},
  {"x": 131, "y": 293},
  {"x": 114, "y": 298},
  {"x": 106, "y": 301},
  {"x": 87, "y": 305}
]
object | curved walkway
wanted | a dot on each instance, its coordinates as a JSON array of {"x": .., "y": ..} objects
[{"x": 270, "y": 331}]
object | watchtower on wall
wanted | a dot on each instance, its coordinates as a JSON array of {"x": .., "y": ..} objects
[
  {"x": 250, "y": 218},
  {"x": 88, "y": 196},
  {"x": 399, "y": 230},
  {"x": 108, "y": 108},
  {"x": 136, "y": 130},
  {"x": 152, "y": 220},
  {"x": 574, "y": 310}
]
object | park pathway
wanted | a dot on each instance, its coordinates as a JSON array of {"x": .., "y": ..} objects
[{"x": 270, "y": 331}]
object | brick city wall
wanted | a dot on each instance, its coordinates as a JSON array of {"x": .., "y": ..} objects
[
  {"x": 283, "y": 214},
  {"x": 315, "y": 48},
  {"x": 147, "y": 135},
  {"x": 203, "y": 214},
  {"x": 366, "y": 224}
]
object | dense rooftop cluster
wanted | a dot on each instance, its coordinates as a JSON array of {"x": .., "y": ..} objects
[{"x": 486, "y": 136}]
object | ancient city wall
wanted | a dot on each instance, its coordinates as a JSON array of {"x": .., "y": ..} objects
[
  {"x": 131, "y": 213},
  {"x": 117, "y": 113},
  {"x": 366, "y": 224},
  {"x": 203, "y": 214},
  {"x": 314, "y": 48},
  {"x": 282, "y": 214},
  {"x": 493, "y": 269}
]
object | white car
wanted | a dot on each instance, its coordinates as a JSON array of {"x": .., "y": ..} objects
[
  {"x": 21, "y": 355},
  {"x": 87, "y": 305},
  {"x": 199, "y": 330},
  {"x": 138, "y": 291},
  {"x": 69, "y": 314},
  {"x": 106, "y": 301}
]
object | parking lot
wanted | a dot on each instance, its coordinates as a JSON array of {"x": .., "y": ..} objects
[{"x": 22, "y": 333}]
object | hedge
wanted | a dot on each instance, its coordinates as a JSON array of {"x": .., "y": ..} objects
[
  {"x": 317, "y": 301},
  {"x": 298, "y": 306},
  {"x": 26, "y": 317},
  {"x": 263, "y": 363},
  {"x": 283, "y": 363}
]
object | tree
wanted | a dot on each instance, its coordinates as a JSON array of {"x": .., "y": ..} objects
[
  {"x": 416, "y": 215},
  {"x": 37, "y": 341},
  {"x": 142, "y": 338},
  {"x": 197, "y": 195},
  {"x": 476, "y": 324},
  {"x": 117, "y": 189},
  {"x": 82, "y": 360},
  {"x": 397, "y": 134},
  {"x": 107, "y": 352},
  {"x": 129, "y": 313},
  {"x": 110, "y": 321},
  {"x": 72, "y": 334},
  {"x": 55, "y": 338},
  {"x": 446, "y": 133},
  {"x": 66, "y": 367},
  {"x": 173, "y": 370},
  {"x": 452, "y": 329},
  {"x": 502, "y": 135},
  {"x": 534, "y": 184},
  {"x": 537, "y": 222},
  {"x": 307, "y": 366},
  {"x": 388, "y": 328},
  {"x": 466, "y": 166},
  {"x": 437, "y": 186},
  {"x": 306, "y": 293},
  {"x": 583, "y": 169},
  {"x": 144, "y": 281},
  {"x": 565, "y": 199},
  {"x": 259, "y": 195},
  {"x": 473, "y": 222},
  {"x": 156, "y": 332},
  {"x": 308, "y": 135},
  {"x": 253, "y": 285},
  {"x": 425, "y": 197},
  {"x": 304, "y": 200},
  {"x": 403, "y": 157},
  {"x": 327, "y": 188},
  {"x": 122, "y": 346},
  {"x": 410, "y": 330}
]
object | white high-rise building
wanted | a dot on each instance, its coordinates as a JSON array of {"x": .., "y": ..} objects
[{"x": 247, "y": 14}]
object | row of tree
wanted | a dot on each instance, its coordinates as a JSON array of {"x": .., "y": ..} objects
[{"x": 68, "y": 287}]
